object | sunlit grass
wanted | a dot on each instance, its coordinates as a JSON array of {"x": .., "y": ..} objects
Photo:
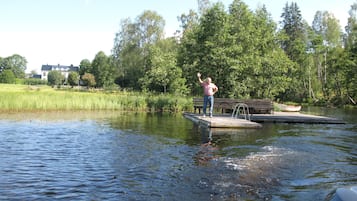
[{"x": 28, "y": 98}]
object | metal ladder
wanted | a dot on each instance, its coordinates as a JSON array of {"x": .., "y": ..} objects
[{"x": 241, "y": 109}]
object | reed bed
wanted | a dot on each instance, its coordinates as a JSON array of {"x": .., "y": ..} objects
[{"x": 44, "y": 98}]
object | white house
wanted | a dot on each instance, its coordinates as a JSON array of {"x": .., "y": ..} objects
[{"x": 65, "y": 70}]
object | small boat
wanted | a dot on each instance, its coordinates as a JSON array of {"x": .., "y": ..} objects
[
  {"x": 289, "y": 108},
  {"x": 345, "y": 194}
]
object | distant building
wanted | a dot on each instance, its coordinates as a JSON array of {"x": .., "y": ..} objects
[
  {"x": 65, "y": 70},
  {"x": 36, "y": 76}
]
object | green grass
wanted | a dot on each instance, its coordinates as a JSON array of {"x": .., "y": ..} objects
[{"x": 45, "y": 98}]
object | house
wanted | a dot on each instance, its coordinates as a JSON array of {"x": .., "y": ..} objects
[{"x": 65, "y": 70}]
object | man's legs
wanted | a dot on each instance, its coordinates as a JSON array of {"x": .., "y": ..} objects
[
  {"x": 211, "y": 102},
  {"x": 205, "y": 102}
]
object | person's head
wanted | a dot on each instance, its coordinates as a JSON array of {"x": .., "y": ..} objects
[{"x": 208, "y": 80}]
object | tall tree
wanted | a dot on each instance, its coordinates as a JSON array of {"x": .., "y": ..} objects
[
  {"x": 351, "y": 48},
  {"x": 15, "y": 63},
  {"x": 326, "y": 25},
  {"x": 203, "y": 48},
  {"x": 164, "y": 75},
  {"x": 131, "y": 47},
  {"x": 186, "y": 54},
  {"x": 103, "y": 70},
  {"x": 270, "y": 77},
  {"x": 203, "y": 6},
  {"x": 293, "y": 27},
  {"x": 327, "y": 37},
  {"x": 351, "y": 28},
  {"x": 295, "y": 44},
  {"x": 85, "y": 66}
]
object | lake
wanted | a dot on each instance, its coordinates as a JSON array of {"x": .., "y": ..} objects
[{"x": 145, "y": 156}]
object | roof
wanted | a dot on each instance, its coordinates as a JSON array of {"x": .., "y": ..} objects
[{"x": 59, "y": 67}]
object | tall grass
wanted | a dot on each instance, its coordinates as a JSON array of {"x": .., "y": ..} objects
[{"x": 44, "y": 98}]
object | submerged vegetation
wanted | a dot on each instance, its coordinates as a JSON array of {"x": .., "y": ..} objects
[{"x": 45, "y": 98}]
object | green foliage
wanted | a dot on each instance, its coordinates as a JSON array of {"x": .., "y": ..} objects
[
  {"x": 238, "y": 50},
  {"x": 7, "y": 76},
  {"x": 55, "y": 78},
  {"x": 242, "y": 50},
  {"x": 73, "y": 78},
  {"x": 34, "y": 81},
  {"x": 171, "y": 103},
  {"x": 15, "y": 63},
  {"x": 85, "y": 67},
  {"x": 88, "y": 80},
  {"x": 103, "y": 70},
  {"x": 132, "y": 46},
  {"x": 44, "y": 98},
  {"x": 163, "y": 74}
]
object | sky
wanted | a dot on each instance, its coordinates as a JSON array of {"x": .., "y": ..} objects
[{"x": 67, "y": 31}]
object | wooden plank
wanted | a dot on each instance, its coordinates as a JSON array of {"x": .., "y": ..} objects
[
  {"x": 294, "y": 117},
  {"x": 225, "y": 121},
  {"x": 221, "y": 121}
]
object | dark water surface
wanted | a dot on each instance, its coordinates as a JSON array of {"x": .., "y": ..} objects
[{"x": 128, "y": 156}]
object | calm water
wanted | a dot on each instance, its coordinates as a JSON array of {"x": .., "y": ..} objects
[{"x": 98, "y": 156}]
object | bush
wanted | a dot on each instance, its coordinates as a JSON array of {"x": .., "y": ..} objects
[
  {"x": 88, "y": 80},
  {"x": 7, "y": 76},
  {"x": 34, "y": 81},
  {"x": 73, "y": 78},
  {"x": 55, "y": 78}
]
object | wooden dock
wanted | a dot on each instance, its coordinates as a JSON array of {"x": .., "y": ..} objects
[
  {"x": 294, "y": 117},
  {"x": 222, "y": 121},
  {"x": 226, "y": 121}
]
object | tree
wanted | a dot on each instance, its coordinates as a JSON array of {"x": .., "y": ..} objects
[
  {"x": 15, "y": 63},
  {"x": 131, "y": 47},
  {"x": 203, "y": 6},
  {"x": 85, "y": 67},
  {"x": 7, "y": 76},
  {"x": 294, "y": 43},
  {"x": 188, "y": 48},
  {"x": 327, "y": 36},
  {"x": 204, "y": 47},
  {"x": 351, "y": 48},
  {"x": 164, "y": 75},
  {"x": 351, "y": 28},
  {"x": 55, "y": 78},
  {"x": 88, "y": 80},
  {"x": 293, "y": 27},
  {"x": 73, "y": 78},
  {"x": 103, "y": 70},
  {"x": 239, "y": 49},
  {"x": 270, "y": 76}
]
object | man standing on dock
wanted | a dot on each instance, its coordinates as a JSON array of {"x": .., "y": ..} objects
[{"x": 209, "y": 89}]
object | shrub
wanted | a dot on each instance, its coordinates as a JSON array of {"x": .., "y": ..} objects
[
  {"x": 7, "y": 76},
  {"x": 34, "y": 81},
  {"x": 73, "y": 78},
  {"x": 55, "y": 78},
  {"x": 88, "y": 79}
]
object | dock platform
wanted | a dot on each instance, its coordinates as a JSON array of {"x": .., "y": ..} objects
[
  {"x": 221, "y": 121},
  {"x": 294, "y": 117},
  {"x": 226, "y": 121}
]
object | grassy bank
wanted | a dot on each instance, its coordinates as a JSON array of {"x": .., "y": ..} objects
[{"x": 45, "y": 98}]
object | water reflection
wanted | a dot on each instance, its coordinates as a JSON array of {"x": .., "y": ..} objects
[{"x": 208, "y": 149}]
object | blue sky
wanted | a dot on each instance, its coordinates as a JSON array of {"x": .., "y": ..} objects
[{"x": 67, "y": 31}]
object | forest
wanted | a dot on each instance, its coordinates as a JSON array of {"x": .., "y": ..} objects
[{"x": 246, "y": 53}]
